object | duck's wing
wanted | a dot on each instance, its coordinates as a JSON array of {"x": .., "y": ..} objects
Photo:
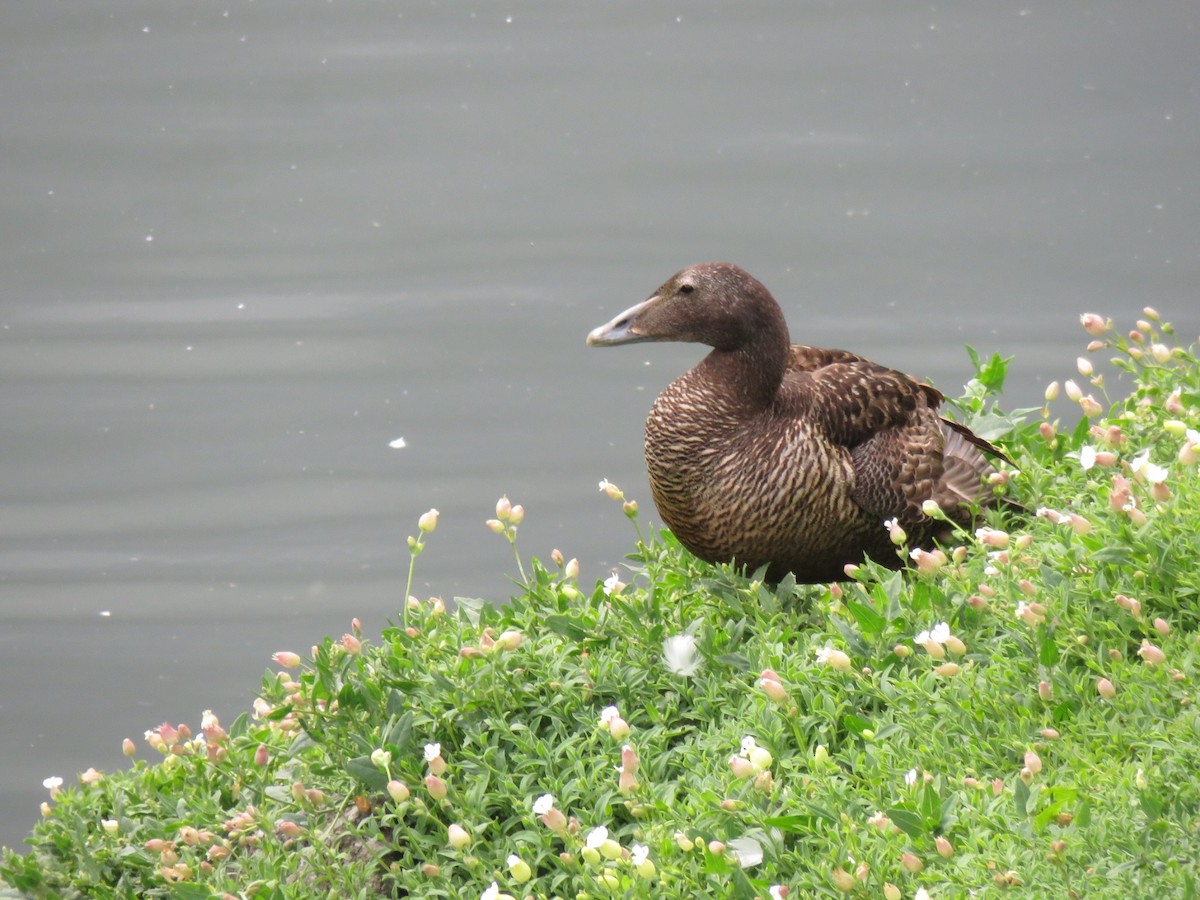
[
  {"x": 853, "y": 398},
  {"x": 903, "y": 452}
]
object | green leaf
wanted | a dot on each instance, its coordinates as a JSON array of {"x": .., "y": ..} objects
[
  {"x": 1021, "y": 797},
  {"x": 568, "y": 627},
  {"x": 367, "y": 772},
  {"x": 1049, "y": 649},
  {"x": 471, "y": 607},
  {"x": 870, "y": 621},
  {"x": 907, "y": 821},
  {"x": 1151, "y": 805},
  {"x": 853, "y": 639},
  {"x": 796, "y": 823},
  {"x": 855, "y": 725}
]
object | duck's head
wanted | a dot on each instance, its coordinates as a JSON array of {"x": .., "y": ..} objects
[{"x": 718, "y": 304}]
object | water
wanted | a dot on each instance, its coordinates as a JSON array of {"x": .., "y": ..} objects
[{"x": 247, "y": 246}]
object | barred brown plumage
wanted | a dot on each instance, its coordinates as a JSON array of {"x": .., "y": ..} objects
[{"x": 787, "y": 456}]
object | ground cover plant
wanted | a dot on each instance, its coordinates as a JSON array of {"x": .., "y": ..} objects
[{"x": 1012, "y": 715}]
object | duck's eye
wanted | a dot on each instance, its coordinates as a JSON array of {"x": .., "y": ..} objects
[{"x": 686, "y": 288}]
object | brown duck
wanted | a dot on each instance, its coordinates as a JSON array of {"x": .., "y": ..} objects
[{"x": 792, "y": 457}]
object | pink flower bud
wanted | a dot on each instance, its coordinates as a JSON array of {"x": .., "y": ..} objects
[
  {"x": 1046, "y": 430},
  {"x": 1106, "y": 689},
  {"x": 261, "y": 756},
  {"x": 944, "y": 848},
  {"x": 351, "y": 644},
  {"x": 1150, "y": 654},
  {"x": 495, "y": 525},
  {"x": 509, "y": 640},
  {"x": 516, "y": 514},
  {"x": 1084, "y": 367},
  {"x": 503, "y": 509},
  {"x": 991, "y": 537},
  {"x": 1044, "y": 691},
  {"x": 1090, "y": 406},
  {"x": 773, "y": 689},
  {"x": 843, "y": 880},
  {"x": 128, "y": 747},
  {"x": 1093, "y": 324},
  {"x": 287, "y": 659},
  {"x": 436, "y": 787},
  {"x": 1033, "y": 762},
  {"x": 742, "y": 767},
  {"x": 911, "y": 862},
  {"x": 289, "y": 829},
  {"x": 1161, "y": 626},
  {"x": 948, "y": 669},
  {"x": 1073, "y": 392}
]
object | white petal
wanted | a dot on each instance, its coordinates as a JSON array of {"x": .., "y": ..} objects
[
  {"x": 749, "y": 851},
  {"x": 679, "y": 652}
]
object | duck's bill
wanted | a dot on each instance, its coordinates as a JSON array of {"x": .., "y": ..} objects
[{"x": 621, "y": 329}]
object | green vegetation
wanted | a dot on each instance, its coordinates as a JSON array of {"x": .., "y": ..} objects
[{"x": 1014, "y": 714}]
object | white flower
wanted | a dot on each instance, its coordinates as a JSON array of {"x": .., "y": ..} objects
[
  {"x": 613, "y": 584},
  {"x": 910, "y": 777},
  {"x": 749, "y": 851},
  {"x": 492, "y": 892},
  {"x": 679, "y": 652},
  {"x": 776, "y": 891},
  {"x": 638, "y": 854},
  {"x": 1142, "y": 466},
  {"x": 748, "y": 745},
  {"x": 608, "y": 714},
  {"x": 596, "y": 837},
  {"x": 921, "y": 894},
  {"x": 543, "y": 804},
  {"x": 939, "y": 633},
  {"x": 53, "y": 783},
  {"x": 611, "y": 490},
  {"x": 1087, "y": 457},
  {"x": 432, "y": 751}
]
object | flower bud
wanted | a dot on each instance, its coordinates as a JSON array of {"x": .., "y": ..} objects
[
  {"x": 458, "y": 836},
  {"x": 1084, "y": 367},
  {"x": 1106, "y": 689},
  {"x": 947, "y": 670},
  {"x": 1044, "y": 691},
  {"x": 944, "y": 848},
  {"x": 398, "y": 790},
  {"x": 128, "y": 747},
  {"x": 1150, "y": 654},
  {"x": 685, "y": 843},
  {"x": 428, "y": 521},
  {"x": 843, "y": 880},
  {"x": 287, "y": 659},
  {"x": 742, "y": 767},
  {"x": 1033, "y": 762},
  {"x": 1074, "y": 394},
  {"x": 911, "y": 862},
  {"x": 509, "y": 640},
  {"x": 436, "y": 787},
  {"x": 519, "y": 869},
  {"x": 503, "y": 509},
  {"x": 1093, "y": 324},
  {"x": 381, "y": 758},
  {"x": 891, "y": 892},
  {"x": 1051, "y": 393}
]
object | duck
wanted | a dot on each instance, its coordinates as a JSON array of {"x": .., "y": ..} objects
[{"x": 787, "y": 458}]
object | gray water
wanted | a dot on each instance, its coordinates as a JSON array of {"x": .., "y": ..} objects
[{"x": 246, "y": 246}]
